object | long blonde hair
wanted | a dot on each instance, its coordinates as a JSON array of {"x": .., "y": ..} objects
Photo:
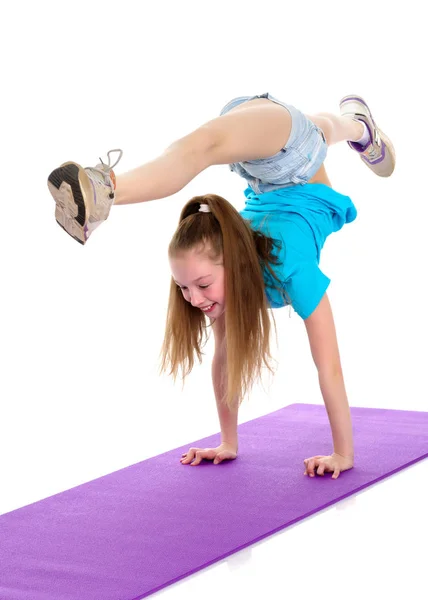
[{"x": 245, "y": 253}]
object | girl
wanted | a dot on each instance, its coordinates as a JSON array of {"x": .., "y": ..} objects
[{"x": 232, "y": 267}]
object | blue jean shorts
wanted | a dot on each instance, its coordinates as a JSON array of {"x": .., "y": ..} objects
[{"x": 296, "y": 163}]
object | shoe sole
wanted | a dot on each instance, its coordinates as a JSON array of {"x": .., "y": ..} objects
[
  {"x": 389, "y": 145},
  {"x": 70, "y": 187}
]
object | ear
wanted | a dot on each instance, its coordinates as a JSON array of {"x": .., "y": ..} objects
[{"x": 322, "y": 338}]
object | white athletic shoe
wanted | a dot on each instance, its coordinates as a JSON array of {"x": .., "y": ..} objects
[
  {"x": 83, "y": 196},
  {"x": 378, "y": 154}
]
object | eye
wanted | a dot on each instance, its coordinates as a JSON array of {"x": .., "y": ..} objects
[{"x": 201, "y": 286}]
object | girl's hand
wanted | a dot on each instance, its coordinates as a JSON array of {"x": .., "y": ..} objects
[
  {"x": 222, "y": 452},
  {"x": 335, "y": 463}
]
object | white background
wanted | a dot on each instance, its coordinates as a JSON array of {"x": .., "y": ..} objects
[{"x": 82, "y": 326}]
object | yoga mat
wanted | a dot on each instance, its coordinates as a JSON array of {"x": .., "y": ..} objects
[{"x": 128, "y": 534}]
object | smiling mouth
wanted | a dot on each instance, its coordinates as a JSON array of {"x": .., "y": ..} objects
[{"x": 208, "y": 308}]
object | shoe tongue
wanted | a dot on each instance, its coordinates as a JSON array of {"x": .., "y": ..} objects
[
  {"x": 99, "y": 174},
  {"x": 108, "y": 174}
]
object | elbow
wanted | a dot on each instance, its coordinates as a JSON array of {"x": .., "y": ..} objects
[{"x": 330, "y": 371}]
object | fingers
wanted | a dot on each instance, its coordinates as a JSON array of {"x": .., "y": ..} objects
[
  {"x": 220, "y": 457},
  {"x": 310, "y": 464},
  {"x": 196, "y": 455},
  {"x": 200, "y": 455},
  {"x": 188, "y": 456},
  {"x": 319, "y": 465},
  {"x": 336, "y": 473},
  {"x": 321, "y": 469}
]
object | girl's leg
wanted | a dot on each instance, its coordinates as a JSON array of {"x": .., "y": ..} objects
[
  {"x": 357, "y": 126},
  {"x": 168, "y": 173},
  {"x": 338, "y": 129},
  {"x": 335, "y": 129},
  {"x": 250, "y": 131},
  {"x": 321, "y": 177}
]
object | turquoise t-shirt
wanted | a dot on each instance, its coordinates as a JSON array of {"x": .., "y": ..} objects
[{"x": 301, "y": 218}]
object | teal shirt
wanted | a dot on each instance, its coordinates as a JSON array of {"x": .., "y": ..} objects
[{"x": 301, "y": 218}]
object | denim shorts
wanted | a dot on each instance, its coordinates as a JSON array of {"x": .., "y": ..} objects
[{"x": 296, "y": 163}]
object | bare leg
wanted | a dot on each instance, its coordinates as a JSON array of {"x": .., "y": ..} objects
[
  {"x": 321, "y": 177},
  {"x": 337, "y": 129},
  {"x": 168, "y": 173},
  {"x": 253, "y": 130}
]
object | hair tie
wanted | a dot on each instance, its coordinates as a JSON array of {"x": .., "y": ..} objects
[{"x": 205, "y": 208}]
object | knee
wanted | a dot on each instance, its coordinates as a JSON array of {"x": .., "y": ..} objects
[
  {"x": 197, "y": 147},
  {"x": 327, "y": 128},
  {"x": 325, "y": 122}
]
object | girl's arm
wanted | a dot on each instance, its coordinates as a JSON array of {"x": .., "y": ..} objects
[
  {"x": 333, "y": 390},
  {"x": 325, "y": 352},
  {"x": 228, "y": 448},
  {"x": 228, "y": 418}
]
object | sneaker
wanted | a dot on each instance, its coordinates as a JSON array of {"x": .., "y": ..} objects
[
  {"x": 378, "y": 153},
  {"x": 83, "y": 196}
]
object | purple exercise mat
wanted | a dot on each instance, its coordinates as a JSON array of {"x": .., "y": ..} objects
[{"x": 128, "y": 534}]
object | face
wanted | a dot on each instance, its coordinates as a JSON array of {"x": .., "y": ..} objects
[{"x": 201, "y": 281}]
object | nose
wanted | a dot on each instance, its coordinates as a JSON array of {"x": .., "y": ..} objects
[{"x": 198, "y": 300}]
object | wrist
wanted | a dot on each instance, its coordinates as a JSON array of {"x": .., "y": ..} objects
[
  {"x": 230, "y": 444},
  {"x": 349, "y": 455}
]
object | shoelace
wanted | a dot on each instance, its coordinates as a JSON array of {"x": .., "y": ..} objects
[
  {"x": 105, "y": 170},
  {"x": 108, "y": 154},
  {"x": 375, "y": 149}
]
